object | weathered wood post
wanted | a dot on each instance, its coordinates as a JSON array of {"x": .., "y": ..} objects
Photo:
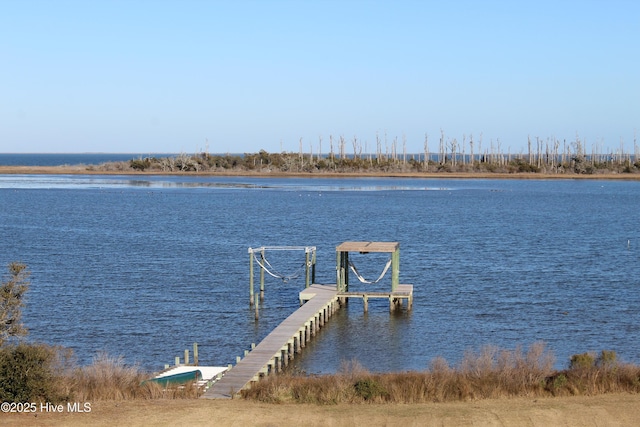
[
  {"x": 256, "y": 304},
  {"x": 307, "y": 268},
  {"x": 253, "y": 296},
  {"x": 262, "y": 275},
  {"x": 339, "y": 271},
  {"x": 195, "y": 353},
  {"x": 395, "y": 269},
  {"x": 345, "y": 268},
  {"x": 342, "y": 267},
  {"x": 313, "y": 267},
  {"x": 186, "y": 357},
  {"x": 250, "y": 276}
]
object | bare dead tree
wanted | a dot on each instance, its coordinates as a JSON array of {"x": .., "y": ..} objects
[
  {"x": 453, "y": 145},
  {"x": 386, "y": 146},
  {"x": 301, "y": 156},
  {"x": 539, "y": 156},
  {"x": 331, "y": 155},
  {"x": 441, "y": 154},
  {"x": 426, "y": 151},
  {"x": 635, "y": 147},
  {"x": 394, "y": 152},
  {"x": 464, "y": 143},
  {"x": 404, "y": 148},
  {"x": 354, "y": 142}
]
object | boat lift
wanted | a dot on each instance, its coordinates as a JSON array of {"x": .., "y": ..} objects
[{"x": 258, "y": 255}]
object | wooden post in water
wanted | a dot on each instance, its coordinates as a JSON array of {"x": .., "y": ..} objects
[
  {"x": 339, "y": 271},
  {"x": 262, "y": 275},
  {"x": 250, "y": 276},
  {"x": 307, "y": 269},
  {"x": 186, "y": 357},
  {"x": 195, "y": 353},
  {"x": 256, "y": 303},
  {"x": 395, "y": 269},
  {"x": 313, "y": 266},
  {"x": 346, "y": 271},
  {"x": 342, "y": 267},
  {"x": 253, "y": 296}
]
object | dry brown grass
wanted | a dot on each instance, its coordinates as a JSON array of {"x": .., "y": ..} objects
[
  {"x": 109, "y": 378},
  {"x": 490, "y": 374},
  {"x": 605, "y": 410}
]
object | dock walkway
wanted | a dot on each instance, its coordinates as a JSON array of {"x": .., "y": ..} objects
[{"x": 281, "y": 344}]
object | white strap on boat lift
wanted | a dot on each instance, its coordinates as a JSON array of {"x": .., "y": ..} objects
[
  {"x": 272, "y": 271},
  {"x": 363, "y": 280}
]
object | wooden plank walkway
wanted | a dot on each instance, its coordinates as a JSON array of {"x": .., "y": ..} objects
[{"x": 281, "y": 344}]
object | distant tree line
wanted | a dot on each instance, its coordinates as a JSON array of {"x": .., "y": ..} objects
[{"x": 549, "y": 156}]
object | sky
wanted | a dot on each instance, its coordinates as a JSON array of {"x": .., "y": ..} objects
[{"x": 241, "y": 76}]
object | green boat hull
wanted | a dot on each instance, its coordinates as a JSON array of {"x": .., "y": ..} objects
[{"x": 177, "y": 379}]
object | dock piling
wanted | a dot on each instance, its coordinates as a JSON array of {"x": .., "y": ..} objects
[{"x": 195, "y": 353}]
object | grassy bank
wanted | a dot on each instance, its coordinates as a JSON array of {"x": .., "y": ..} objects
[
  {"x": 490, "y": 374},
  {"x": 43, "y": 373},
  {"x": 40, "y": 373}
]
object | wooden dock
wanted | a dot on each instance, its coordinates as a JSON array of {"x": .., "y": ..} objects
[
  {"x": 402, "y": 292},
  {"x": 319, "y": 302}
]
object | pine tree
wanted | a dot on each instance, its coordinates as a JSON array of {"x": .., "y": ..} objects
[{"x": 12, "y": 293}]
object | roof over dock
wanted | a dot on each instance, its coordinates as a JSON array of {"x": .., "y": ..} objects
[{"x": 388, "y": 247}]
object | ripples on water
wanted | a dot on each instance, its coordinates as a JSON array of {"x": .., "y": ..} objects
[{"x": 144, "y": 267}]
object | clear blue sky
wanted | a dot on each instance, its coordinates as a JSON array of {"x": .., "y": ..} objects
[{"x": 168, "y": 76}]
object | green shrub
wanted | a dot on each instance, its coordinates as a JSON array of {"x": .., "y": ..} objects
[
  {"x": 139, "y": 164},
  {"x": 606, "y": 359},
  {"x": 582, "y": 361},
  {"x": 369, "y": 389},
  {"x": 27, "y": 373},
  {"x": 556, "y": 382}
]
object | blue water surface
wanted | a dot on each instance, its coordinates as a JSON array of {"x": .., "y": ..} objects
[{"x": 144, "y": 266}]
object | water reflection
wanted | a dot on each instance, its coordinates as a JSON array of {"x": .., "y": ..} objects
[{"x": 167, "y": 182}]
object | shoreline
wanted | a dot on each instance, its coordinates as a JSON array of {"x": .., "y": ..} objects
[{"x": 89, "y": 170}]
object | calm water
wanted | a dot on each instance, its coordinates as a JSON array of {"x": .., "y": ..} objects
[
  {"x": 144, "y": 267},
  {"x": 61, "y": 159}
]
